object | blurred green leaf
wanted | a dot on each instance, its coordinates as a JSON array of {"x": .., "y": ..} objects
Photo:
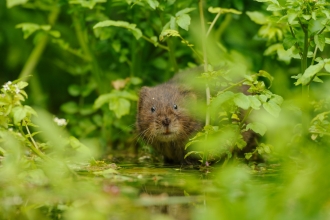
[
  {"x": 320, "y": 41},
  {"x": 120, "y": 106},
  {"x": 242, "y": 100},
  {"x": 183, "y": 21},
  {"x": 257, "y": 127},
  {"x": 153, "y": 3},
  {"x": 257, "y": 17},
  {"x": 131, "y": 27},
  {"x": 272, "y": 108}
]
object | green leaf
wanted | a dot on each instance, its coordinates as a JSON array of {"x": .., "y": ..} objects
[
  {"x": 254, "y": 102},
  {"x": 184, "y": 11},
  {"x": 320, "y": 41},
  {"x": 272, "y": 108},
  {"x": 153, "y": 3},
  {"x": 257, "y": 17},
  {"x": 222, "y": 98},
  {"x": 30, "y": 28},
  {"x": 70, "y": 107},
  {"x": 19, "y": 113},
  {"x": 248, "y": 155},
  {"x": 257, "y": 127},
  {"x": 273, "y": 1},
  {"x": 22, "y": 84},
  {"x": 183, "y": 21},
  {"x": 327, "y": 65},
  {"x": 242, "y": 101},
  {"x": 267, "y": 75},
  {"x": 292, "y": 15},
  {"x": 309, "y": 73},
  {"x": 87, "y": 4},
  {"x": 120, "y": 106},
  {"x": 74, "y": 90},
  {"x": 102, "y": 99},
  {"x": 274, "y": 7},
  {"x": 223, "y": 10},
  {"x": 12, "y": 3},
  {"x": 289, "y": 41},
  {"x": 131, "y": 27}
]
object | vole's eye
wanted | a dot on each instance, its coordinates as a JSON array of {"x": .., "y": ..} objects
[
  {"x": 153, "y": 109},
  {"x": 175, "y": 106}
]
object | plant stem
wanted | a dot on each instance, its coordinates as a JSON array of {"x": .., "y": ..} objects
[
  {"x": 38, "y": 50},
  {"x": 305, "y": 89},
  {"x": 207, "y": 87},
  {"x": 34, "y": 146},
  {"x": 157, "y": 44},
  {"x": 212, "y": 24},
  {"x": 172, "y": 55},
  {"x": 207, "y": 90}
]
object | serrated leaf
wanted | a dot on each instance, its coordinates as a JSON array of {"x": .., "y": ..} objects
[
  {"x": 257, "y": 127},
  {"x": 242, "y": 101},
  {"x": 272, "y": 108},
  {"x": 131, "y": 27},
  {"x": 320, "y": 41},
  {"x": 183, "y": 21}
]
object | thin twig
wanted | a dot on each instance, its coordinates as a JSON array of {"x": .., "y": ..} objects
[{"x": 212, "y": 24}]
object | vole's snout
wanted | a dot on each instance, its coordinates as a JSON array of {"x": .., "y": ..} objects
[{"x": 166, "y": 122}]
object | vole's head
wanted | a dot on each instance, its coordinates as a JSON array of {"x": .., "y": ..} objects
[{"x": 163, "y": 114}]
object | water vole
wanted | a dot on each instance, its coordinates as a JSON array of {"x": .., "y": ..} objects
[{"x": 165, "y": 121}]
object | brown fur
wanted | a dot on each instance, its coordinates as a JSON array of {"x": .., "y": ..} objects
[{"x": 164, "y": 120}]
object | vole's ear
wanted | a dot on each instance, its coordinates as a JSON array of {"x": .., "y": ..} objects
[
  {"x": 188, "y": 94},
  {"x": 144, "y": 91}
]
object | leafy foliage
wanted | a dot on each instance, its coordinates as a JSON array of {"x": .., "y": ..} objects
[{"x": 89, "y": 58}]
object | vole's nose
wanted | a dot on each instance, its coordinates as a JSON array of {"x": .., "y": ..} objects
[{"x": 166, "y": 122}]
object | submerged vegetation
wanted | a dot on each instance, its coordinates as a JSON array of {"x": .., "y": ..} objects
[{"x": 70, "y": 76}]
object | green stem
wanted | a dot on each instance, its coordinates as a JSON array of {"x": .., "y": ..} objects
[
  {"x": 38, "y": 50},
  {"x": 34, "y": 146},
  {"x": 207, "y": 87},
  {"x": 155, "y": 43},
  {"x": 232, "y": 86},
  {"x": 248, "y": 112},
  {"x": 213, "y": 22},
  {"x": 305, "y": 89},
  {"x": 172, "y": 55}
]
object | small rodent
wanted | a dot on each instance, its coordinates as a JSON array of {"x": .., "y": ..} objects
[{"x": 164, "y": 119}]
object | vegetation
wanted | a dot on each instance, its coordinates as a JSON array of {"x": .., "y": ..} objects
[{"x": 71, "y": 72}]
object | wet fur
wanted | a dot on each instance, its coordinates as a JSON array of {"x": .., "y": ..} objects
[{"x": 167, "y": 129}]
